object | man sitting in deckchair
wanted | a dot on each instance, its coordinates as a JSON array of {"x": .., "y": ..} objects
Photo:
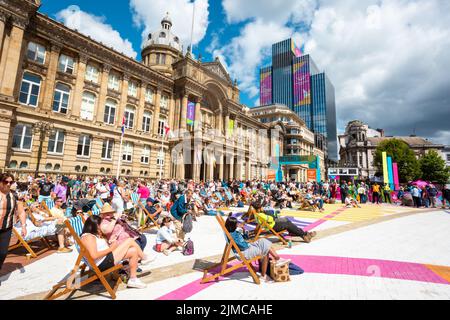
[{"x": 278, "y": 224}]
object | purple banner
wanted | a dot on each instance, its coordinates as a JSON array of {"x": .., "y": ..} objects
[
  {"x": 302, "y": 83},
  {"x": 266, "y": 87},
  {"x": 190, "y": 117}
]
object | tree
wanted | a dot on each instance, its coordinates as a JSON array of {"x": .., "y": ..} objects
[
  {"x": 434, "y": 168},
  {"x": 399, "y": 151}
]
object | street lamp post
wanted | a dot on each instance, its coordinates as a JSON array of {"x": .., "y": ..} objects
[{"x": 43, "y": 129}]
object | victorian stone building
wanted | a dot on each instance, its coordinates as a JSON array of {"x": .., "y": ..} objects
[
  {"x": 296, "y": 143},
  {"x": 64, "y": 98},
  {"x": 359, "y": 143}
]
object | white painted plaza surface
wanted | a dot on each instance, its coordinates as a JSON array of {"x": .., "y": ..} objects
[{"x": 421, "y": 238}]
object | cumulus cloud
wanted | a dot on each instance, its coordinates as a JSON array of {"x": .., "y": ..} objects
[
  {"x": 246, "y": 52},
  {"x": 387, "y": 59},
  {"x": 96, "y": 27},
  {"x": 149, "y": 13}
]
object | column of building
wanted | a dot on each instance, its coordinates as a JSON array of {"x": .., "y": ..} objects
[{"x": 11, "y": 56}]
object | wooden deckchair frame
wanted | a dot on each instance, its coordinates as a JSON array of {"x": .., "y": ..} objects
[
  {"x": 225, "y": 269},
  {"x": 264, "y": 226},
  {"x": 306, "y": 205},
  {"x": 45, "y": 208},
  {"x": 21, "y": 242},
  {"x": 67, "y": 284},
  {"x": 138, "y": 204}
]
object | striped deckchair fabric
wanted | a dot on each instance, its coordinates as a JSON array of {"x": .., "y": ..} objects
[
  {"x": 77, "y": 225},
  {"x": 95, "y": 210},
  {"x": 135, "y": 198},
  {"x": 219, "y": 195},
  {"x": 229, "y": 196},
  {"x": 99, "y": 202}
]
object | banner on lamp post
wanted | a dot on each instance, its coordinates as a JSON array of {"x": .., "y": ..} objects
[{"x": 391, "y": 173}]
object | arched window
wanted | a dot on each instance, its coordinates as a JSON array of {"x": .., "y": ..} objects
[
  {"x": 85, "y": 169},
  {"x": 13, "y": 164},
  {"x": 87, "y": 106},
  {"x": 29, "y": 89},
  {"x": 161, "y": 125},
  {"x": 48, "y": 166},
  {"x": 128, "y": 172},
  {"x": 176, "y": 39},
  {"x": 23, "y": 165},
  {"x": 102, "y": 170},
  {"x": 61, "y": 98},
  {"x": 162, "y": 35},
  {"x": 145, "y": 156},
  {"x": 77, "y": 168},
  {"x": 108, "y": 170},
  {"x": 149, "y": 36},
  {"x": 57, "y": 167}
]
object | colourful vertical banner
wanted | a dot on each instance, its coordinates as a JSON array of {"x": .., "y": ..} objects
[
  {"x": 266, "y": 86},
  {"x": 396, "y": 179},
  {"x": 190, "y": 117},
  {"x": 391, "y": 173},
  {"x": 385, "y": 168},
  {"x": 302, "y": 82},
  {"x": 230, "y": 127}
]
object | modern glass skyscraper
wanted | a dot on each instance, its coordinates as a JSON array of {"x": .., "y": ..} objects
[{"x": 295, "y": 81}]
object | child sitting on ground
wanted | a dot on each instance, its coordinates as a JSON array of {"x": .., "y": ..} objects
[
  {"x": 166, "y": 241},
  {"x": 350, "y": 202}
]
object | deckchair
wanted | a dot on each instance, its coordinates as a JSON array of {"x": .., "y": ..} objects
[
  {"x": 264, "y": 230},
  {"x": 139, "y": 205},
  {"x": 237, "y": 255},
  {"x": 21, "y": 242},
  {"x": 48, "y": 205},
  {"x": 305, "y": 205},
  {"x": 99, "y": 202},
  {"x": 75, "y": 226}
]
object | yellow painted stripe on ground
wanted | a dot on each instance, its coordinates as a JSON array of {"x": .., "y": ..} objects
[{"x": 443, "y": 272}]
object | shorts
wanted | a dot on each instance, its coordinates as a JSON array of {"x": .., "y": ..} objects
[
  {"x": 59, "y": 228},
  {"x": 107, "y": 263}
]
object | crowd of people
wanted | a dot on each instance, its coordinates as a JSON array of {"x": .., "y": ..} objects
[{"x": 113, "y": 236}]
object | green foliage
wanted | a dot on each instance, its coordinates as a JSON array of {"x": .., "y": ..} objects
[
  {"x": 434, "y": 168},
  {"x": 399, "y": 151}
]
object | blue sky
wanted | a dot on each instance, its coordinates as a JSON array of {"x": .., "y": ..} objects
[{"x": 376, "y": 52}]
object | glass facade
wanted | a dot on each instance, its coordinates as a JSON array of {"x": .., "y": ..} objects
[{"x": 297, "y": 83}]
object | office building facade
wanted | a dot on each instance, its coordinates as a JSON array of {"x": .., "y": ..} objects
[{"x": 295, "y": 81}]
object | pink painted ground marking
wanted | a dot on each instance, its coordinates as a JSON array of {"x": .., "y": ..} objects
[
  {"x": 334, "y": 265},
  {"x": 323, "y": 220}
]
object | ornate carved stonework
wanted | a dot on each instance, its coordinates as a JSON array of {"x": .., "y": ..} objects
[
  {"x": 65, "y": 77},
  {"x": 35, "y": 67},
  {"x": 92, "y": 86},
  {"x": 132, "y": 100},
  {"x": 217, "y": 69},
  {"x": 84, "y": 58},
  {"x": 113, "y": 94},
  {"x": 106, "y": 68}
]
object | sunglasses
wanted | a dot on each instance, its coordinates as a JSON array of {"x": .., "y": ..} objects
[{"x": 10, "y": 182}]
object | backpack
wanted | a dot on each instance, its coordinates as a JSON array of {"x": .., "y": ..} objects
[
  {"x": 187, "y": 223},
  {"x": 188, "y": 248}
]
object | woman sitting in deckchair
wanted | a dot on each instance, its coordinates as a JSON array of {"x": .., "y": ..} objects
[
  {"x": 261, "y": 247},
  {"x": 107, "y": 256}
]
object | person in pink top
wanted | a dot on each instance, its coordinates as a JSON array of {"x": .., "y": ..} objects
[
  {"x": 143, "y": 191},
  {"x": 116, "y": 229}
]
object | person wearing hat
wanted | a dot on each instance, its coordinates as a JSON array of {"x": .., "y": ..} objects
[{"x": 116, "y": 229}]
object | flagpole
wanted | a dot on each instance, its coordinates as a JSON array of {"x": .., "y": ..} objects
[
  {"x": 160, "y": 162},
  {"x": 120, "y": 157},
  {"x": 192, "y": 30}
]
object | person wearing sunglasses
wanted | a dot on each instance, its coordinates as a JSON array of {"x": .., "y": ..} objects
[{"x": 9, "y": 208}]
